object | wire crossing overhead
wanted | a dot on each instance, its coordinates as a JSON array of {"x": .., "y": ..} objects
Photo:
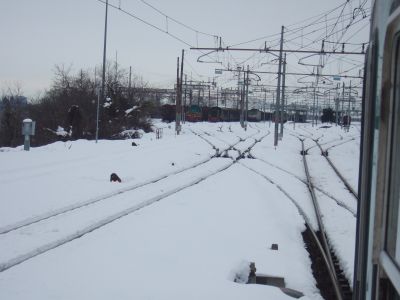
[
  {"x": 166, "y": 30},
  {"x": 294, "y": 74},
  {"x": 268, "y": 50}
]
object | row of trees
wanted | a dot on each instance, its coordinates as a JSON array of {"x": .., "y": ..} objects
[{"x": 68, "y": 109}]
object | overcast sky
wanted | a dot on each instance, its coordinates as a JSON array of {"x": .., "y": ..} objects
[{"x": 38, "y": 34}]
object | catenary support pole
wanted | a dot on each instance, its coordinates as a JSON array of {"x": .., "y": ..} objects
[
  {"x": 341, "y": 113},
  {"x": 177, "y": 104},
  {"x": 278, "y": 90},
  {"x": 184, "y": 103},
  {"x": 337, "y": 105},
  {"x": 313, "y": 114},
  {"x": 103, "y": 78},
  {"x": 180, "y": 91},
  {"x": 282, "y": 110},
  {"x": 247, "y": 97}
]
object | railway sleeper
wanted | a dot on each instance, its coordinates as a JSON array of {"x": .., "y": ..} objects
[{"x": 320, "y": 270}]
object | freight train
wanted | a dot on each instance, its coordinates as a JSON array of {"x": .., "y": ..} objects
[{"x": 195, "y": 113}]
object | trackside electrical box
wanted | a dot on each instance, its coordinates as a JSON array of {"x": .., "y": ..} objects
[{"x": 28, "y": 129}]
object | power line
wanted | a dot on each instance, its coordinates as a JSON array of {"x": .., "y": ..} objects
[
  {"x": 176, "y": 21},
  {"x": 298, "y": 29},
  {"x": 145, "y": 22}
]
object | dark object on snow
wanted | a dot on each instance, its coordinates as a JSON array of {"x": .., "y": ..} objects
[
  {"x": 173, "y": 164},
  {"x": 274, "y": 247},
  {"x": 168, "y": 113},
  {"x": 114, "y": 177},
  {"x": 252, "y": 274},
  {"x": 328, "y": 115},
  {"x": 134, "y": 144},
  {"x": 74, "y": 120}
]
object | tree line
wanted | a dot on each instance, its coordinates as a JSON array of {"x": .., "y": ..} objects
[{"x": 67, "y": 111}]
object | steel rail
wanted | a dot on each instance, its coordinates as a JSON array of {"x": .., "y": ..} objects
[
  {"x": 39, "y": 218},
  {"x": 321, "y": 248},
  {"x": 325, "y": 154},
  {"x": 109, "y": 219},
  {"x": 330, "y": 265}
]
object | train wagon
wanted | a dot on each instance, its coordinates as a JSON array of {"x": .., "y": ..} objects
[
  {"x": 230, "y": 115},
  {"x": 254, "y": 115},
  {"x": 194, "y": 114},
  {"x": 214, "y": 114}
]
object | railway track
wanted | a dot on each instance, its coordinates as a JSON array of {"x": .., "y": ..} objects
[
  {"x": 41, "y": 235},
  {"x": 334, "y": 284},
  {"x": 324, "y": 153},
  {"x": 339, "y": 282},
  {"x": 304, "y": 181},
  {"x": 47, "y": 215},
  {"x": 318, "y": 245},
  {"x": 242, "y": 151}
]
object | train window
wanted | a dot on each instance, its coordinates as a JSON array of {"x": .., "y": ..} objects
[{"x": 393, "y": 213}]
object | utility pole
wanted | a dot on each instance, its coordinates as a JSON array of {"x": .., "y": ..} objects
[
  {"x": 177, "y": 102},
  {"x": 317, "y": 112},
  {"x": 103, "y": 80},
  {"x": 217, "y": 96},
  {"x": 337, "y": 104},
  {"x": 341, "y": 114},
  {"x": 278, "y": 90},
  {"x": 242, "y": 101},
  {"x": 313, "y": 115},
  {"x": 184, "y": 104},
  {"x": 283, "y": 95},
  {"x": 130, "y": 83},
  {"x": 180, "y": 90},
  {"x": 247, "y": 97},
  {"x": 265, "y": 103},
  {"x": 348, "y": 108},
  {"x": 270, "y": 110},
  {"x": 239, "y": 93}
]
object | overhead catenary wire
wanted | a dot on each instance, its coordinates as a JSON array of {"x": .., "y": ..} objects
[
  {"x": 278, "y": 34},
  {"x": 321, "y": 19},
  {"x": 158, "y": 28},
  {"x": 146, "y": 22},
  {"x": 298, "y": 29},
  {"x": 176, "y": 21}
]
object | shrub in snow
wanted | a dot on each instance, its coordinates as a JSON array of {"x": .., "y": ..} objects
[
  {"x": 61, "y": 132},
  {"x": 130, "y": 134},
  {"x": 240, "y": 273}
]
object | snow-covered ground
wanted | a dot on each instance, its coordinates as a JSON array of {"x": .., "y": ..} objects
[{"x": 186, "y": 220}]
